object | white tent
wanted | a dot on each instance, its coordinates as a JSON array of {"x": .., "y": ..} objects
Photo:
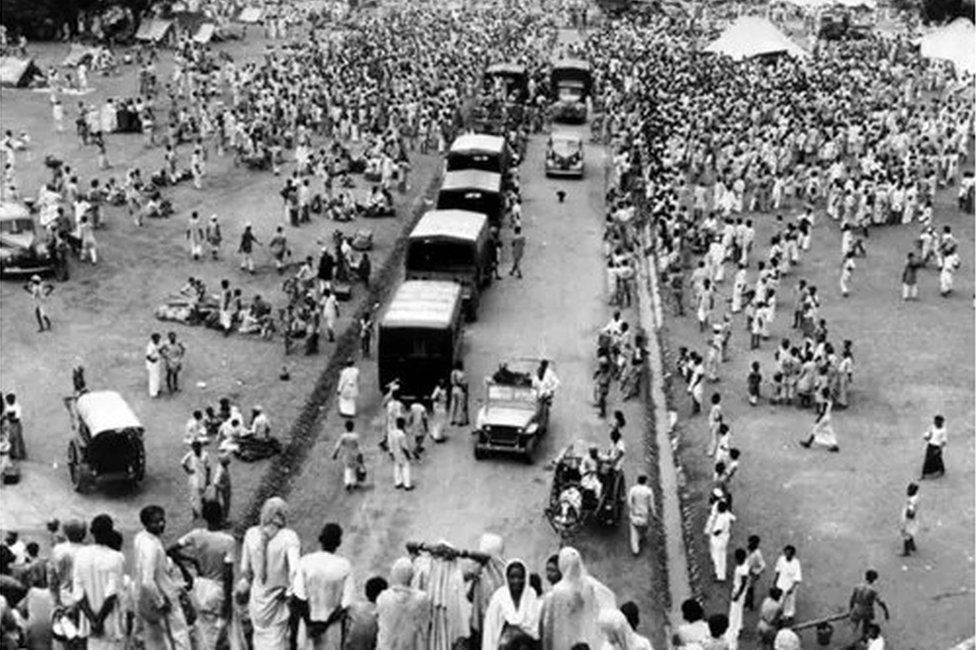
[
  {"x": 205, "y": 33},
  {"x": 751, "y": 36},
  {"x": 250, "y": 15},
  {"x": 17, "y": 73},
  {"x": 154, "y": 29},
  {"x": 855, "y": 4},
  {"x": 952, "y": 42}
]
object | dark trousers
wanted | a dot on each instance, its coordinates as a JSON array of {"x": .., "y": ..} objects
[
  {"x": 43, "y": 322},
  {"x": 172, "y": 378}
]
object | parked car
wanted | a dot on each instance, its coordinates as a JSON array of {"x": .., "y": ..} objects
[
  {"x": 22, "y": 251},
  {"x": 564, "y": 156},
  {"x": 107, "y": 441}
]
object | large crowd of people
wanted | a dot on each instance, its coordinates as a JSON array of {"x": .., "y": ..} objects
[
  {"x": 202, "y": 591},
  {"x": 689, "y": 147},
  {"x": 703, "y": 155}
]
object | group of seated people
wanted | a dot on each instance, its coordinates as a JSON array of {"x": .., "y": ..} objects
[
  {"x": 345, "y": 207},
  {"x": 227, "y": 428},
  {"x": 197, "y": 306}
]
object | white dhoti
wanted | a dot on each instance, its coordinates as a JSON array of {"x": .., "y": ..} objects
[
  {"x": 717, "y": 546},
  {"x": 437, "y": 423},
  {"x": 789, "y": 605},
  {"x": 735, "y": 622},
  {"x": 269, "y": 616},
  {"x": 945, "y": 280},
  {"x": 823, "y": 434},
  {"x": 152, "y": 372}
]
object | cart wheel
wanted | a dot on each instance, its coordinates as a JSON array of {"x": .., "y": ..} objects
[
  {"x": 86, "y": 479},
  {"x": 527, "y": 456}
]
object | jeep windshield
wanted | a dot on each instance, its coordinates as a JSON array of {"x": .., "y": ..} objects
[{"x": 512, "y": 396}]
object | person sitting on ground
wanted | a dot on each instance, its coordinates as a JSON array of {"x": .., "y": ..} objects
[
  {"x": 260, "y": 425},
  {"x": 230, "y": 434}
]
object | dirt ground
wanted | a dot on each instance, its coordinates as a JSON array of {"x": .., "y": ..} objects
[
  {"x": 841, "y": 511},
  {"x": 103, "y": 316}
]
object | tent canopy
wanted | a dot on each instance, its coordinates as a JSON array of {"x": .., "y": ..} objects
[
  {"x": 205, "y": 33},
  {"x": 249, "y": 15},
  {"x": 751, "y": 36},
  {"x": 952, "y": 42},
  {"x": 154, "y": 29},
  {"x": 16, "y": 73}
]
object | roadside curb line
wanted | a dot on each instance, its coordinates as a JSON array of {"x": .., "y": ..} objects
[{"x": 651, "y": 319}]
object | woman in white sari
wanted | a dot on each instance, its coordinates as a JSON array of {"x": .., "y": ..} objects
[
  {"x": 269, "y": 562},
  {"x": 514, "y": 609},
  {"x": 570, "y": 610},
  {"x": 348, "y": 390}
]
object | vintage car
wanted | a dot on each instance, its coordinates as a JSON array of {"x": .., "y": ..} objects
[
  {"x": 579, "y": 495},
  {"x": 107, "y": 441},
  {"x": 571, "y": 82},
  {"x": 22, "y": 252},
  {"x": 515, "y": 414},
  {"x": 564, "y": 155}
]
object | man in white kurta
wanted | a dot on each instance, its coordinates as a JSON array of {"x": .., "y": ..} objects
[
  {"x": 196, "y": 464},
  {"x": 324, "y": 582},
  {"x": 153, "y": 365},
  {"x": 789, "y": 575},
  {"x": 156, "y": 593},
  {"x": 719, "y": 530},
  {"x": 98, "y": 575}
]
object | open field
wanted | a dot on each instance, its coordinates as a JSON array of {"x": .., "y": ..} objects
[
  {"x": 912, "y": 361},
  {"x": 104, "y": 314}
]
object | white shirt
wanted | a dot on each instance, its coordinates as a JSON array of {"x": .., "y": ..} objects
[
  {"x": 789, "y": 573},
  {"x": 740, "y": 573},
  {"x": 325, "y": 581},
  {"x": 640, "y": 503},
  {"x": 152, "y": 355},
  {"x": 62, "y": 567},
  {"x": 151, "y": 572},
  {"x": 720, "y": 524},
  {"x": 936, "y": 436},
  {"x": 99, "y": 573}
]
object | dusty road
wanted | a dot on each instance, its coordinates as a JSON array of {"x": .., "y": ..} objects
[{"x": 555, "y": 311}]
